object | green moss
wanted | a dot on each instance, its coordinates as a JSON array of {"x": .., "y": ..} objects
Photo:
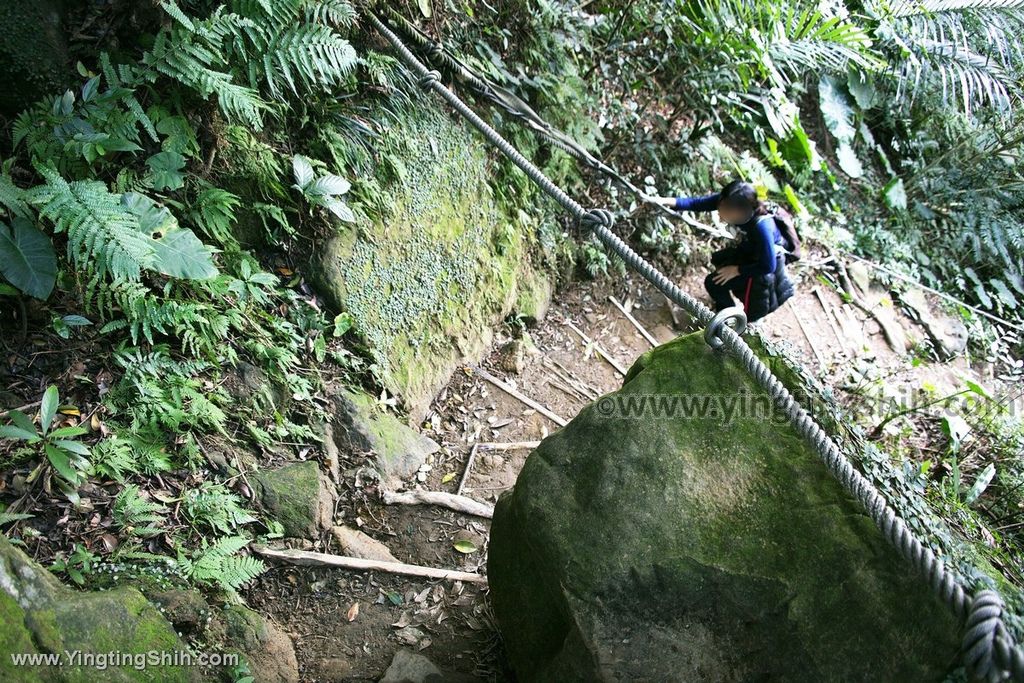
[
  {"x": 15, "y": 638},
  {"x": 426, "y": 285},
  {"x": 643, "y": 524},
  {"x": 292, "y": 495}
]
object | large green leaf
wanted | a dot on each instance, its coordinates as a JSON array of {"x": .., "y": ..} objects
[
  {"x": 178, "y": 252},
  {"x": 181, "y": 254},
  {"x": 27, "y": 260},
  {"x": 48, "y": 408},
  {"x": 165, "y": 170},
  {"x": 895, "y": 195},
  {"x": 836, "y": 109}
]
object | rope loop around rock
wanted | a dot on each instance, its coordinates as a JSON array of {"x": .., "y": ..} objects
[{"x": 734, "y": 314}]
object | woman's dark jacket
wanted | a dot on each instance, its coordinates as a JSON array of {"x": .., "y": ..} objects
[{"x": 762, "y": 284}]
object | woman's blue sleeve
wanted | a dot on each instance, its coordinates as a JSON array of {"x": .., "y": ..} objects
[
  {"x": 705, "y": 203},
  {"x": 765, "y": 245}
]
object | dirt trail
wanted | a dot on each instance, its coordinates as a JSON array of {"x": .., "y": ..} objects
[{"x": 451, "y": 623}]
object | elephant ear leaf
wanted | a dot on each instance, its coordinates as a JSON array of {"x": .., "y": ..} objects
[
  {"x": 27, "y": 259},
  {"x": 178, "y": 252}
]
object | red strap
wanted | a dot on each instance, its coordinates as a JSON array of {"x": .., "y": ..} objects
[{"x": 746, "y": 297}]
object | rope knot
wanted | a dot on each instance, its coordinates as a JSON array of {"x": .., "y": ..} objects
[
  {"x": 426, "y": 79},
  {"x": 712, "y": 333},
  {"x": 436, "y": 51},
  {"x": 989, "y": 651},
  {"x": 596, "y": 217}
]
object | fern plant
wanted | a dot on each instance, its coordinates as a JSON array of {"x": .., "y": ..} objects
[
  {"x": 220, "y": 564},
  {"x": 967, "y": 50},
  {"x": 213, "y": 507},
  {"x": 135, "y": 515}
]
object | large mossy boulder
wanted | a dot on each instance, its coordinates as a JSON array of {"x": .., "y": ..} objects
[
  {"x": 38, "y": 615},
  {"x": 428, "y": 281},
  {"x": 684, "y": 549}
]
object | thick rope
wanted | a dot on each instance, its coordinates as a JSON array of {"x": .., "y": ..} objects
[
  {"x": 524, "y": 114},
  {"x": 990, "y": 652}
]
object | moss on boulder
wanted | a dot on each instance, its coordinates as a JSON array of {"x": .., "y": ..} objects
[
  {"x": 297, "y": 496},
  {"x": 39, "y": 615},
  {"x": 426, "y": 284},
  {"x": 684, "y": 548},
  {"x": 398, "y": 451},
  {"x": 267, "y": 649}
]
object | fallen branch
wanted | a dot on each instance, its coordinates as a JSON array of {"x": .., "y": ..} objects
[
  {"x": 601, "y": 352},
  {"x": 810, "y": 341},
  {"x": 511, "y": 446},
  {"x": 636, "y": 323},
  {"x": 311, "y": 559},
  {"x": 469, "y": 466},
  {"x": 829, "y": 316},
  {"x": 893, "y": 337},
  {"x": 448, "y": 500},
  {"x": 561, "y": 422}
]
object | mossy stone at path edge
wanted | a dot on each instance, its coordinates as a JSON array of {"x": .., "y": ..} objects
[{"x": 39, "y": 615}]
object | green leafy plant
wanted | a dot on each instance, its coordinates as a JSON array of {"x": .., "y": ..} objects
[
  {"x": 220, "y": 564},
  {"x": 27, "y": 259},
  {"x": 65, "y": 455},
  {"x": 321, "y": 190},
  {"x": 135, "y": 515},
  {"x": 77, "y": 565},
  {"x": 213, "y": 507}
]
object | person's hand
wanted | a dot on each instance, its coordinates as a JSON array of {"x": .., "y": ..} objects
[
  {"x": 724, "y": 274},
  {"x": 668, "y": 202}
]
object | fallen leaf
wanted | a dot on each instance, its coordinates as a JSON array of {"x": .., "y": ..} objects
[
  {"x": 353, "y": 612},
  {"x": 70, "y": 410},
  {"x": 447, "y": 478},
  {"x": 465, "y": 546}
]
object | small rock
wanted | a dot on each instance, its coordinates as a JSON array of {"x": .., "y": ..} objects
[
  {"x": 512, "y": 357},
  {"x": 185, "y": 608},
  {"x": 357, "y": 544},
  {"x": 410, "y": 667},
  {"x": 298, "y": 496},
  {"x": 335, "y": 669}
]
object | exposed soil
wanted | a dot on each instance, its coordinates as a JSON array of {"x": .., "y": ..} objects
[{"x": 451, "y": 622}]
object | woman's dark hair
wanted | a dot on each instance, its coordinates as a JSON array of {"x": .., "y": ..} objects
[{"x": 742, "y": 195}]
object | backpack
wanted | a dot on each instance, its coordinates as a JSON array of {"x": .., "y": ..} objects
[{"x": 787, "y": 227}]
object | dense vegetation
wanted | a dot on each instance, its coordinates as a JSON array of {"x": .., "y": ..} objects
[{"x": 162, "y": 207}]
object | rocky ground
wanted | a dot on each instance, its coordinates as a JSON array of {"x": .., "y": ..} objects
[{"x": 348, "y": 626}]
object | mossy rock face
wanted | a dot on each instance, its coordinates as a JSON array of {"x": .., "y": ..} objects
[
  {"x": 426, "y": 284},
  {"x": 684, "y": 548},
  {"x": 298, "y": 497},
  {"x": 40, "y": 615},
  {"x": 398, "y": 451},
  {"x": 33, "y": 51}
]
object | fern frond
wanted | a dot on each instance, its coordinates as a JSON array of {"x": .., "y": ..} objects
[
  {"x": 214, "y": 213},
  {"x": 13, "y": 197},
  {"x": 338, "y": 13},
  {"x": 103, "y": 237},
  {"x": 190, "y": 58},
  {"x": 221, "y": 565},
  {"x": 308, "y": 55},
  {"x": 136, "y": 515}
]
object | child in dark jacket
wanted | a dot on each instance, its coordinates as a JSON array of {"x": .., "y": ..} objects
[{"x": 752, "y": 269}]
